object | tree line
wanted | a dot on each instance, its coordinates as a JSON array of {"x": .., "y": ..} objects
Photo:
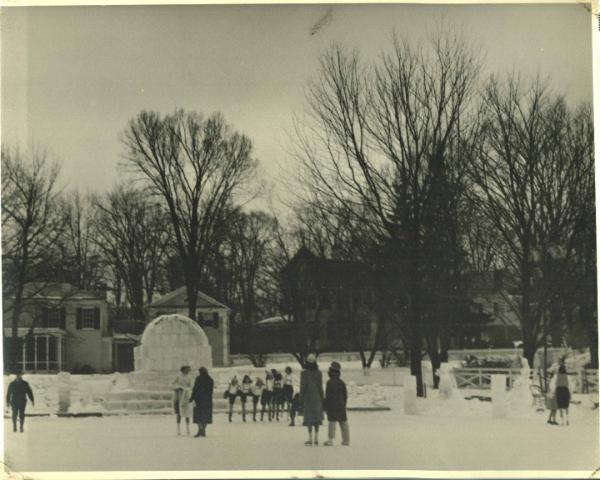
[
  {"x": 413, "y": 163},
  {"x": 418, "y": 164}
]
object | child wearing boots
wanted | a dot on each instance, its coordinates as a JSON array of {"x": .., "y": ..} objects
[
  {"x": 288, "y": 390},
  {"x": 257, "y": 391},
  {"x": 295, "y": 409},
  {"x": 182, "y": 386},
  {"x": 245, "y": 392},
  {"x": 336, "y": 398},
  {"x": 266, "y": 398},
  {"x": 278, "y": 400},
  {"x": 231, "y": 394}
]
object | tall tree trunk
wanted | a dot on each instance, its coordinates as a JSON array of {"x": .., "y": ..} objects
[
  {"x": 529, "y": 349},
  {"x": 192, "y": 296},
  {"x": 594, "y": 348}
]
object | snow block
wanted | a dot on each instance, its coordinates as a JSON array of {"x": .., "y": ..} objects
[
  {"x": 410, "y": 395},
  {"x": 499, "y": 397}
]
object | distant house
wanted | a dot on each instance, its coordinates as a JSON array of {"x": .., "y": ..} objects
[
  {"x": 211, "y": 315},
  {"x": 342, "y": 291},
  {"x": 491, "y": 294},
  {"x": 334, "y": 293},
  {"x": 63, "y": 327}
]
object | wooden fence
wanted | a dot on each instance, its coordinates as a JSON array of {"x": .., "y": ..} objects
[{"x": 584, "y": 381}]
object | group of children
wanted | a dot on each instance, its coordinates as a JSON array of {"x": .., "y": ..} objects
[
  {"x": 277, "y": 397},
  {"x": 275, "y": 394}
]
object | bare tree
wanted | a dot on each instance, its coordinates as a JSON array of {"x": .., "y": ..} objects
[
  {"x": 530, "y": 182},
  {"x": 133, "y": 234},
  {"x": 195, "y": 165},
  {"x": 32, "y": 222},
  {"x": 81, "y": 256},
  {"x": 380, "y": 142}
]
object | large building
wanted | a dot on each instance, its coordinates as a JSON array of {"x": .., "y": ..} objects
[
  {"x": 340, "y": 296},
  {"x": 211, "y": 315},
  {"x": 63, "y": 328},
  {"x": 336, "y": 296}
]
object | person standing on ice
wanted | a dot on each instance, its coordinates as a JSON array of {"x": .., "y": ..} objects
[
  {"x": 181, "y": 401},
  {"x": 267, "y": 397},
  {"x": 295, "y": 409},
  {"x": 278, "y": 400},
  {"x": 16, "y": 397},
  {"x": 232, "y": 393},
  {"x": 551, "y": 394},
  {"x": 288, "y": 389},
  {"x": 336, "y": 398},
  {"x": 245, "y": 392},
  {"x": 202, "y": 394},
  {"x": 257, "y": 390},
  {"x": 563, "y": 395},
  {"x": 311, "y": 394}
]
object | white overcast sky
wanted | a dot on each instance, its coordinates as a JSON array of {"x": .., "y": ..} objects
[{"x": 72, "y": 77}]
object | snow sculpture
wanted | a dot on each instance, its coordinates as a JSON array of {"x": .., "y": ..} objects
[
  {"x": 520, "y": 398},
  {"x": 170, "y": 341},
  {"x": 499, "y": 404},
  {"x": 64, "y": 391},
  {"x": 447, "y": 386}
]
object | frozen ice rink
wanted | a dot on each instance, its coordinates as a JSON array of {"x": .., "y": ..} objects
[{"x": 379, "y": 440}]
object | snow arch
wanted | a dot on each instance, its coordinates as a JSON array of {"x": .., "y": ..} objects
[{"x": 170, "y": 341}]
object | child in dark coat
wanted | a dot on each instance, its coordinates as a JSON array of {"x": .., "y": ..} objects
[
  {"x": 336, "y": 398},
  {"x": 295, "y": 409}
]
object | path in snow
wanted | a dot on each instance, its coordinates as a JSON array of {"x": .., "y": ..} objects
[{"x": 380, "y": 440}]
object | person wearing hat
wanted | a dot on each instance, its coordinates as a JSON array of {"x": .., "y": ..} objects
[
  {"x": 311, "y": 394},
  {"x": 16, "y": 397},
  {"x": 202, "y": 395},
  {"x": 336, "y": 398},
  {"x": 182, "y": 385}
]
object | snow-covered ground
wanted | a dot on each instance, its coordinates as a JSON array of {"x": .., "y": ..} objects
[{"x": 442, "y": 437}]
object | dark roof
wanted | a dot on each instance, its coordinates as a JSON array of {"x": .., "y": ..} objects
[
  {"x": 327, "y": 270},
  {"x": 60, "y": 291},
  {"x": 178, "y": 298}
]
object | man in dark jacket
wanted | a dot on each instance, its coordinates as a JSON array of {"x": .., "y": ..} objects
[
  {"x": 336, "y": 398},
  {"x": 16, "y": 397}
]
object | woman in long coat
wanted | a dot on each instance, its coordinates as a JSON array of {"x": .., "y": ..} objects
[
  {"x": 311, "y": 393},
  {"x": 202, "y": 394}
]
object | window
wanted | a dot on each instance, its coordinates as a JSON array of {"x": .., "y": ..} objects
[
  {"x": 41, "y": 353},
  {"x": 496, "y": 309},
  {"x": 53, "y": 318},
  {"x": 206, "y": 319},
  {"x": 88, "y": 318}
]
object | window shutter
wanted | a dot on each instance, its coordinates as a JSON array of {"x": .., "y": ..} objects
[
  {"x": 215, "y": 320},
  {"x": 96, "y": 318},
  {"x": 63, "y": 319},
  {"x": 79, "y": 319},
  {"x": 45, "y": 318}
]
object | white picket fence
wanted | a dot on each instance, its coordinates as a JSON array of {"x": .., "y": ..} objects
[{"x": 584, "y": 381}]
